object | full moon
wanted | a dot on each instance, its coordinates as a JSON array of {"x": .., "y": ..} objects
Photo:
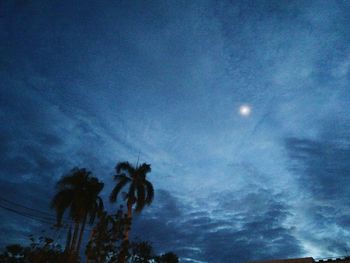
[{"x": 245, "y": 110}]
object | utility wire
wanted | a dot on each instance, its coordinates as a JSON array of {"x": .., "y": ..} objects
[
  {"x": 50, "y": 219},
  {"x": 25, "y": 207},
  {"x": 41, "y": 218},
  {"x": 43, "y": 215}
]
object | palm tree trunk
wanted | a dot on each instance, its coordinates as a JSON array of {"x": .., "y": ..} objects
[
  {"x": 75, "y": 235},
  {"x": 92, "y": 233},
  {"x": 122, "y": 255},
  {"x": 81, "y": 233},
  {"x": 69, "y": 238},
  {"x": 128, "y": 227}
]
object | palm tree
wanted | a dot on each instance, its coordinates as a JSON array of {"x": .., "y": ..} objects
[
  {"x": 78, "y": 192},
  {"x": 140, "y": 191}
]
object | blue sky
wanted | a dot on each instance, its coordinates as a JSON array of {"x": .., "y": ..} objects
[{"x": 91, "y": 83}]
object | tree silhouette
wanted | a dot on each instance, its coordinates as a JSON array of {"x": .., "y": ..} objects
[
  {"x": 106, "y": 242},
  {"x": 168, "y": 257},
  {"x": 78, "y": 192},
  {"x": 40, "y": 250},
  {"x": 140, "y": 191},
  {"x": 141, "y": 252}
]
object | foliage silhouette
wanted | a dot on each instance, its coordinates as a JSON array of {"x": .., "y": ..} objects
[
  {"x": 140, "y": 191},
  {"x": 107, "y": 242},
  {"x": 41, "y": 250},
  {"x": 168, "y": 257},
  {"x": 78, "y": 192},
  {"x": 141, "y": 252}
]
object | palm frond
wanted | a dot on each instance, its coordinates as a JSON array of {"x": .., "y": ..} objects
[
  {"x": 140, "y": 191},
  {"x": 77, "y": 191},
  {"x": 95, "y": 185},
  {"x": 96, "y": 210},
  {"x": 100, "y": 205},
  {"x": 125, "y": 166},
  {"x": 122, "y": 176},
  {"x": 61, "y": 201},
  {"x": 149, "y": 191},
  {"x": 74, "y": 178},
  {"x": 121, "y": 183},
  {"x": 140, "y": 201},
  {"x": 144, "y": 168}
]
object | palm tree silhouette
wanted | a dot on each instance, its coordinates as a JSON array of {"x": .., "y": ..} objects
[
  {"x": 140, "y": 191},
  {"x": 78, "y": 192}
]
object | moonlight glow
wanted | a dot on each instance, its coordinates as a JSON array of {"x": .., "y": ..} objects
[{"x": 245, "y": 110}]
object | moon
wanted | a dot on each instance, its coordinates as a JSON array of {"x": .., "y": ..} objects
[{"x": 245, "y": 110}]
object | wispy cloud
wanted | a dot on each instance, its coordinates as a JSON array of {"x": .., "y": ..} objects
[{"x": 107, "y": 82}]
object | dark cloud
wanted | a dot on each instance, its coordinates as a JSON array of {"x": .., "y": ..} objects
[
  {"x": 322, "y": 167},
  {"x": 239, "y": 233}
]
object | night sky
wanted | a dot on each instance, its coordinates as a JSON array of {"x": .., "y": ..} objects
[{"x": 91, "y": 83}]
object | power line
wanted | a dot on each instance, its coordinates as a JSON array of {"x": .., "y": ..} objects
[
  {"x": 41, "y": 218},
  {"x": 42, "y": 214},
  {"x": 25, "y": 207}
]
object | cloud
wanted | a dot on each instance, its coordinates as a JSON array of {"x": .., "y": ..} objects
[
  {"x": 105, "y": 82},
  {"x": 243, "y": 226},
  {"x": 322, "y": 168},
  {"x": 325, "y": 167}
]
